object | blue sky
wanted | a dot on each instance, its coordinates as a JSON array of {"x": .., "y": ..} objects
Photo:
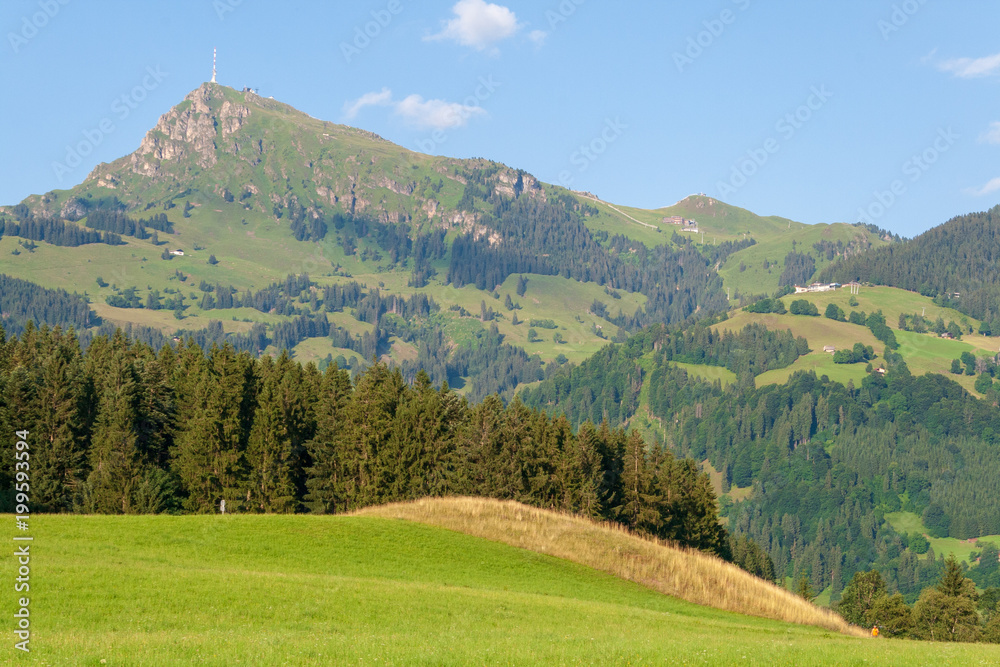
[{"x": 817, "y": 111}]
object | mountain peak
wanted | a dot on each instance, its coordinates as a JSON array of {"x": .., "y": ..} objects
[{"x": 220, "y": 144}]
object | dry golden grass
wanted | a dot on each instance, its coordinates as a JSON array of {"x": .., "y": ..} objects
[{"x": 684, "y": 573}]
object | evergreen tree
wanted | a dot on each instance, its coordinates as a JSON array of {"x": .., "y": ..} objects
[
  {"x": 269, "y": 452},
  {"x": 325, "y": 478},
  {"x": 117, "y": 467},
  {"x": 639, "y": 506},
  {"x": 947, "y": 612},
  {"x": 59, "y": 456}
]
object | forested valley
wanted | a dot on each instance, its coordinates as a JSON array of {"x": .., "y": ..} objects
[{"x": 824, "y": 462}]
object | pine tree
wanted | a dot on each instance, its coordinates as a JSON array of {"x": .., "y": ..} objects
[
  {"x": 116, "y": 463},
  {"x": 804, "y": 589},
  {"x": 367, "y": 426},
  {"x": 639, "y": 502},
  {"x": 947, "y": 612},
  {"x": 325, "y": 478},
  {"x": 269, "y": 453},
  {"x": 583, "y": 476},
  {"x": 214, "y": 420},
  {"x": 59, "y": 456},
  {"x": 425, "y": 437}
]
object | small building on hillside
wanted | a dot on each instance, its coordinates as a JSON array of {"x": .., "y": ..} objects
[
  {"x": 178, "y": 252},
  {"x": 816, "y": 287},
  {"x": 685, "y": 224},
  {"x": 829, "y": 348}
]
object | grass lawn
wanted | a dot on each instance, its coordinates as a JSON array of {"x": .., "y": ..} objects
[
  {"x": 924, "y": 353},
  {"x": 819, "y": 362},
  {"x": 819, "y": 331},
  {"x": 303, "y": 590},
  {"x": 910, "y": 523},
  {"x": 316, "y": 349},
  {"x": 764, "y": 262},
  {"x": 890, "y": 300},
  {"x": 708, "y": 373}
]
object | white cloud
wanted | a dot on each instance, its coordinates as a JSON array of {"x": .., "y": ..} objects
[
  {"x": 992, "y": 135},
  {"x": 991, "y": 186},
  {"x": 971, "y": 68},
  {"x": 538, "y": 37},
  {"x": 436, "y": 114},
  {"x": 479, "y": 24},
  {"x": 416, "y": 111},
  {"x": 382, "y": 98}
]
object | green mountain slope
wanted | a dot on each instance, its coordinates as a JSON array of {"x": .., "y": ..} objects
[
  {"x": 808, "y": 451},
  {"x": 248, "y": 191},
  {"x": 244, "y": 191},
  {"x": 955, "y": 262}
]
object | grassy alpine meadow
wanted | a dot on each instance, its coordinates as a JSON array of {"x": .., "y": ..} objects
[
  {"x": 924, "y": 353},
  {"x": 910, "y": 523},
  {"x": 756, "y": 270},
  {"x": 320, "y": 590}
]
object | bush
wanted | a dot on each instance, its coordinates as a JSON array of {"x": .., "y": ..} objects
[
  {"x": 803, "y": 307},
  {"x": 767, "y": 306},
  {"x": 834, "y": 312}
]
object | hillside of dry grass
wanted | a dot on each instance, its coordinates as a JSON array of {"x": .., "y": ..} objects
[{"x": 683, "y": 573}]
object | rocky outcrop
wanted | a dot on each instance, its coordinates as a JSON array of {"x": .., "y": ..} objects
[
  {"x": 73, "y": 210},
  {"x": 513, "y": 183},
  {"x": 191, "y": 129}
]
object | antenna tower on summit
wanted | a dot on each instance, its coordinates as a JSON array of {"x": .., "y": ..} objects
[{"x": 213, "y": 65}]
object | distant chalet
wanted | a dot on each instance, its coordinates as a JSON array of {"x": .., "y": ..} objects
[
  {"x": 679, "y": 220},
  {"x": 816, "y": 287}
]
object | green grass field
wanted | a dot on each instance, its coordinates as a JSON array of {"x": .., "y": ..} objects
[
  {"x": 819, "y": 362},
  {"x": 708, "y": 373},
  {"x": 565, "y": 301},
  {"x": 890, "y": 300},
  {"x": 924, "y": 353},
  {"x": 303, "y": 590},
  {"x": 771, "y": 248},
  {"x": 910, "y": 523}
]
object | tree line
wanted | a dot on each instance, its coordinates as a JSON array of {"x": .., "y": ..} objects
[
  {"x": 955, "y": 263},
  {"x": 119, "y": 428}
]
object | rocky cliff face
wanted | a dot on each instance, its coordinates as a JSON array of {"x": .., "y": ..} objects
[{"x": 192, "y": 128}]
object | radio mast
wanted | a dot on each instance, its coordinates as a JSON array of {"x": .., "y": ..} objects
[{"x": 213, "y": 65}]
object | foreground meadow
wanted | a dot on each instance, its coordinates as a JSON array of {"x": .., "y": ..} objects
[{"x": 313, "y": 590}]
